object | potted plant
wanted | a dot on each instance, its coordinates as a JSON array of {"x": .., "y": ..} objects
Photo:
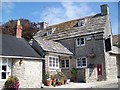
[
  {"x": 12, "y": 83},
  {"x": 59, "y": 82},
  {"x": 74, "y": 74},
  {"x": 53, "y": 77},
  {"x": 48, "y": 79},
  {"x": 62, "y": 81}
]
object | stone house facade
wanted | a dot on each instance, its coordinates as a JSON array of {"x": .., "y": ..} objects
[
  {"x": 89, "y": 39},
  {"x": 18, "y": 58}
]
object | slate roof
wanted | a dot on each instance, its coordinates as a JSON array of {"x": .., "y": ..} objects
[
  {"x": 12, "y": 46},
  {"x": 93, "y": 24},
  {"x": 52, "y": 46}
]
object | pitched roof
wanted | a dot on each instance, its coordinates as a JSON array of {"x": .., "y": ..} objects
[
  {"x": 52, "y": 46},
  {"x": 93, "y": 24},
  {"x": 12, "y": 46}
]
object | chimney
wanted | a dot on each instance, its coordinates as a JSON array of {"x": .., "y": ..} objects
[
  {"x": 19, "y": 29},
  {"x": 43, "y": 25},
  {"x": 104, "y": 9}
]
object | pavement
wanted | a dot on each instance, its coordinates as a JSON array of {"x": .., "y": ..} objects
[{"x": 98, "y": 84}]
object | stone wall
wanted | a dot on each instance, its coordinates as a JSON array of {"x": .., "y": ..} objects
[
  {"x": 91, "y": 75},
  {"x": 111, "y": 66},
  {"x": 118, "y": 65},
  {"x": 95, "y": 42},
  {"x": 29, "y": 73}
]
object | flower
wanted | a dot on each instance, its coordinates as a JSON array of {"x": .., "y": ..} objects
[{"x": 12, "y": 82}]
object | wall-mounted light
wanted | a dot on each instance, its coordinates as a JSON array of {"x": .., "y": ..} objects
[{"x": 21, "y": 61}]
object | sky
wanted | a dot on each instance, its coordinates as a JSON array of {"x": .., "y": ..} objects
[{"x": 56, "y": 12}]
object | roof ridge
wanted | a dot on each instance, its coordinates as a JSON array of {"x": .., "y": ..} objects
[{"x": 73, "y": 20}]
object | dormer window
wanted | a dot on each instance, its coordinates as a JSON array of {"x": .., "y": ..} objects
[
  {"x": 81, "y": 23},
  {"x": 49, "y": 32}
]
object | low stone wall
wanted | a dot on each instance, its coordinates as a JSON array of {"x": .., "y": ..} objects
[
  {"x": 29, "y": 73},
  {"x": 111, "y": 67},
  {"x": 91, "y": 75}
]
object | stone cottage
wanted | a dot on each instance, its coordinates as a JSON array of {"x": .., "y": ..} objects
[
  {"x": 19, "y": 59},
  {"x": 86, "y": 42}
]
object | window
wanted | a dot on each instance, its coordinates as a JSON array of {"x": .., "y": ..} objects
[
  {"x": 5, "y": 68},
  {"x": 53, "y": 62},
  {"x": 80, "y": 41},
  {"x": 81, "y": 62},
  {"x": 107, "y": 44},
  {"x": 49, "y": 32},
  {"x": 81, "y": 23},
  {"x": 65, "y": 63}
]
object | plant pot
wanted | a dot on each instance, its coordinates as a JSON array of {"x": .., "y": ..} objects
[
  {"x": 62, "y": 82},
  {"x": 49, "y": 82},
  {"x": 59, "y": 83}
]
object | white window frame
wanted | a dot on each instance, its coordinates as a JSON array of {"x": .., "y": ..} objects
[
  {"x": 81, "y": 62},
  {"x": 80, "y": 41},
  {"x": 8, "y": 68},
  {"x": 65, "y": 64},
  {"x": 48, "y": 32},
  {"x": 56, "y": 67},
  {"x": 81, "y": 23}
]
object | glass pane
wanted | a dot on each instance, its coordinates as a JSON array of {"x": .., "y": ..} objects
[
  {"x": 78, "y": 41},
  {"x": 78, "y": 62},
  {"x": 84, "y": 61},
  {"x": 50, "y": 62},
  {"x": 63, "y": 63},
  {"x": 4, "y": 61},
  {"x": 82, "y": 40},
  {"x": 53, "y": 62},
  {"x": 3, "y": 75},
  {"x": 67, "y": 63},
  {"x": 4, "y": 68},
  {"x": 50, "y": 58},
  {"x": 57, "y": 62}
]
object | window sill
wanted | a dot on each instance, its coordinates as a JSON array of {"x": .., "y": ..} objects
[
  {"x": 3, "y": 79},
  {"x": 54, "y": 67},
  {"x": 66, "y": 68},
  {"x": 81, "y": 67},
  {"x": 80, "y": 45}
]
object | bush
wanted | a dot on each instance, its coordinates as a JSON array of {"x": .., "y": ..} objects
[{"x": 12, "y": 82}]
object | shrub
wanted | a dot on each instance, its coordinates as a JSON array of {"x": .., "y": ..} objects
[{"x": 12, "y": 82}]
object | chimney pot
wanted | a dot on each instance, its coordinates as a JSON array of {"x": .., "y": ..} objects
[
  {"x": 104, "y": 9},
  {"x": 18, "y": 30}
]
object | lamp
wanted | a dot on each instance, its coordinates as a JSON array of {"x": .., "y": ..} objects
[{"x": 21, "y": 61}]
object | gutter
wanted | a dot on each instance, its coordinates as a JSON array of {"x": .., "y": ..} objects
[{"x": 21, "y": 57}]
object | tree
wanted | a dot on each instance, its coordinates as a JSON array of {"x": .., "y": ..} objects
[{"x": 29, "y": 28}]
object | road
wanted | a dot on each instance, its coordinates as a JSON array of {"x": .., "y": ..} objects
[{"x": 113, "y": 85}]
